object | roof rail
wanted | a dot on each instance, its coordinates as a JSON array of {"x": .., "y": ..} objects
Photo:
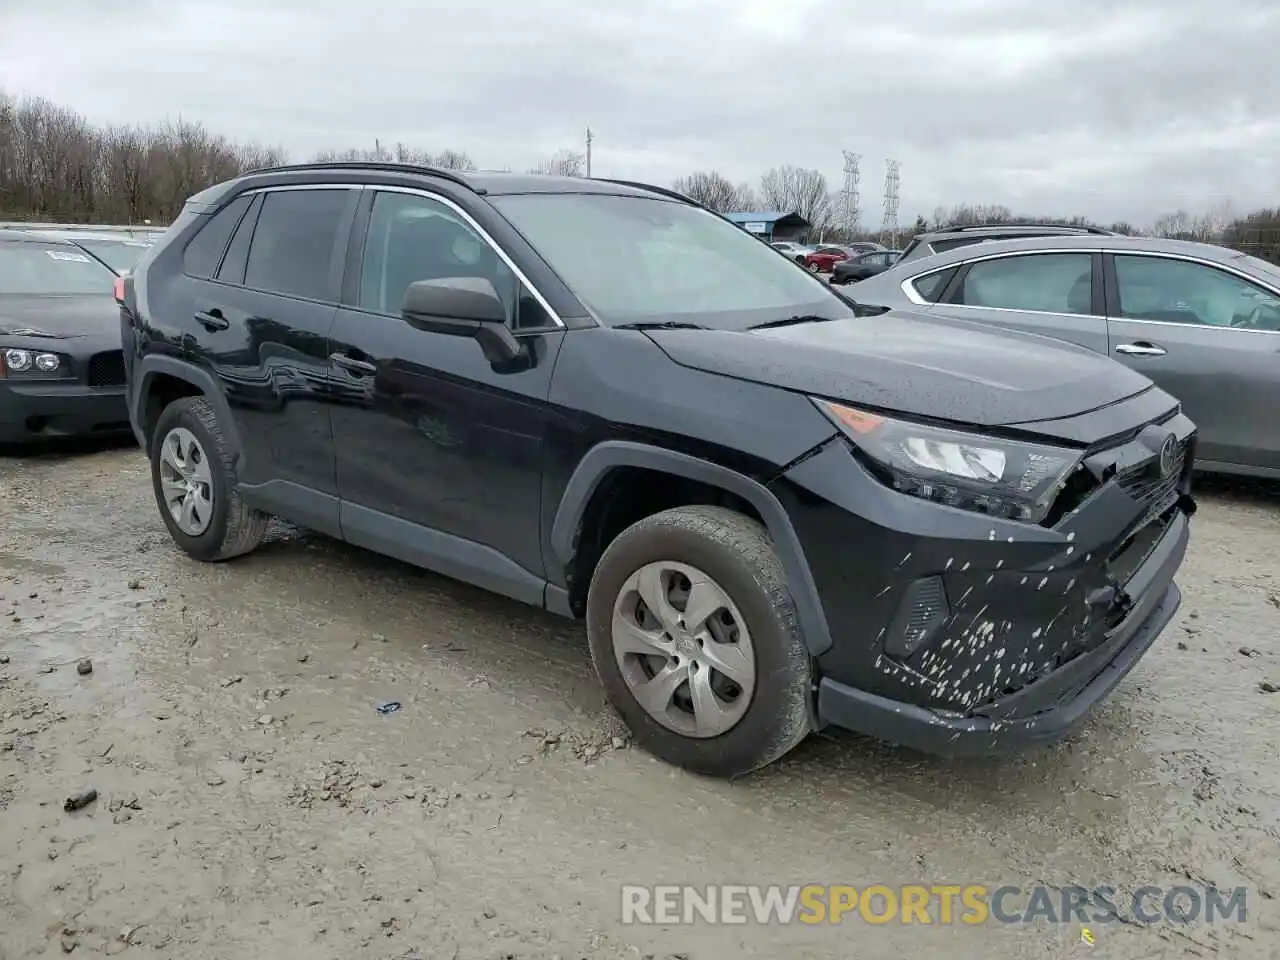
[
  {"x": 960, "y": 228},
  {"x": 661, "y": 191},
  {"x": 390, "y": 166}
]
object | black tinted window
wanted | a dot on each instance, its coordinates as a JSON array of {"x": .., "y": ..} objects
[
  {"x": 293, "y": 243},
  {"x": 237, "y": 255},
  {"x": 931, "y": 286},
  {"x": 204, "y": 252}
]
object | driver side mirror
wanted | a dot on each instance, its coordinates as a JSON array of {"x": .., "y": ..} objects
[{"x": 462, "y": 307}]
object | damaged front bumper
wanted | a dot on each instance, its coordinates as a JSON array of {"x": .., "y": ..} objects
[
  {"x": 1043, "y": 711},
  {"x": 961, "y": 634}
]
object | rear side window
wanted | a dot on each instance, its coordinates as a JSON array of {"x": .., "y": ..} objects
[
  {"x": 930, "y": 287},
  {"x": 1043, "y": 282},
  {"x": 204, "y": 252},
  {"x": 294, "y": 243}
]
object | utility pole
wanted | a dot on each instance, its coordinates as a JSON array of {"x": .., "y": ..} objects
[
  {"x": 851, "y": 213},
  {"x": 891, "y": 180},
  {"x": 589, "y": 139}
]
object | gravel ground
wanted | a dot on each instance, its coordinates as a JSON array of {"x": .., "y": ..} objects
[{"x": 253, "y": 802}]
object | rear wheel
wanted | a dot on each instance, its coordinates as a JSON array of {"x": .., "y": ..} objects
[
  {"x": 814, "y": 267},
  {"x": 193, "y": 474},
  {"x": 694, "y": 636}
]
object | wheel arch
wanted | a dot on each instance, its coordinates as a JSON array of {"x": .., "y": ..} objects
[
  {"x": 609, "y": 456},
  {"x": 163, "y": 379}
]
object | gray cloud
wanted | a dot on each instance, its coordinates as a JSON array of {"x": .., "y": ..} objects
[{"x": 1114, "y": 110}]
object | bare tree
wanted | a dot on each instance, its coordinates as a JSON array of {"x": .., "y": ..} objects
[
  {"x": 1176, "y": 225},
  {"x": 711, "y": 189},
  {"x": 798, "y": 190},
  {"x": 746, "y": 200},
  {"x": 562, "y": 163}
]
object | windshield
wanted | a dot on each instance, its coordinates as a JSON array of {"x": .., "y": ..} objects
[
  {"x": 644, "y": 260},
  {"x": 34, "y": 268},
  {"x": 119, "y": 255}
]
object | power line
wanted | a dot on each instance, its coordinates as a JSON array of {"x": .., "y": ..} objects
[
  {"x": 852, "y": 211},
  {"x": 891, "y": 182}
]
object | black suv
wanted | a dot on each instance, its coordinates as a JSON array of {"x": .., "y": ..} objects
[
  {"x": 602, "y": 399},
  {"x": 949, "y": 238}
]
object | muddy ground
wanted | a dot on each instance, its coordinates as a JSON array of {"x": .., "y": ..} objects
[{"x": 252, "y": 802}]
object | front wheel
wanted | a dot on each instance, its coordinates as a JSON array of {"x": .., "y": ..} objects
[
  {"x": 694, "y": 636},
  {"x": 814, "y": 268}
]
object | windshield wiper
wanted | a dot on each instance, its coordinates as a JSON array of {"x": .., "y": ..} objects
[
  {"x": 791, "y": 321},
  {"x": 660, "y": 325}
]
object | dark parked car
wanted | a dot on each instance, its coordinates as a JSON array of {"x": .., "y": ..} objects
[
  {"x": 118, "y": 253},
  {"x": 864, "y": 265},
  {"x": 771, "y": 514},
  {"x": 61, "y": 369},
  {"x": 1202, "y": 321},
  {"x": 951, "y": 238}
]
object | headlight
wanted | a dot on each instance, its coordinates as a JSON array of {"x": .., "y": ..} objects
[
  {"x": 1001, "y": 478},
  {"x": 23, "y": 361}
]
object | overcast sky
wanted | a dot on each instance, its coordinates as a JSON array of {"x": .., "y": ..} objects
[{"x": 1116, "y": 109}]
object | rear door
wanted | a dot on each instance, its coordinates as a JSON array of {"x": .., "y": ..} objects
[
  {"x": 1211, "y": 338},
  {"x": 1055, "y": 294},
  {"x": 266, "y": 317}
]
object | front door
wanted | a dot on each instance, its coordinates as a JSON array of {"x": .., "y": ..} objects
[
  {"x": 1210, "y": 338},
  {"x": 1052, "y": 294},
  {"x": 439, "y": 454}
]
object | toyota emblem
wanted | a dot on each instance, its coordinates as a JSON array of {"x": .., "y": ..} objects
[{"x": 1167, "y": 455}]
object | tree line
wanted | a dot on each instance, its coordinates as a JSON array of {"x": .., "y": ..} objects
[{"x": 57, "y": 166}]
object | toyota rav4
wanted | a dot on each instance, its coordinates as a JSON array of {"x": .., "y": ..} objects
[{"x": 772, "y": 513}]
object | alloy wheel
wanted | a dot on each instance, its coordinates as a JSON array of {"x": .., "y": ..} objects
[{"x": 683, "y": 649}]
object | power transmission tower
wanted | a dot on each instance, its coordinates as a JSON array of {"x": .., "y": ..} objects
[
  {"x": 589, "y": 139},
  {"x": 852, "y": 211},
  {"x": 890, "y": 225}
]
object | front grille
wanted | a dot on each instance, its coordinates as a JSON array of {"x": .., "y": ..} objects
[
  {"x": 1149, "y": 488},
  {"x": 106, "y": 369}
]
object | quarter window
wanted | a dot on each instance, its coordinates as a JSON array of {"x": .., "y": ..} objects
[
  {"x": 414, "y": 238},
  {"x": 931, "y": 285},
  {"x": 1043, "y": 282},
  {"x": 294, "y": 241},
  {"x": 1179, "y": 291},
  {"x": 204, "y": 252}
]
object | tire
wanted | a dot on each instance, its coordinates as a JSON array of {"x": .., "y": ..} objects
[
  {"x": 232, "y": 528},
  {"x": 815, "y": 267},
  {"x": 735, "y": 553}
]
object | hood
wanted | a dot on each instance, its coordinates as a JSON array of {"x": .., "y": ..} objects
[
  {"x": 58, "y": 317},
  {"x": 917, "y": 365}
]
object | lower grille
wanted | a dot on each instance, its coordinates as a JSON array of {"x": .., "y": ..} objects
[{"x": 106, "y": 369}]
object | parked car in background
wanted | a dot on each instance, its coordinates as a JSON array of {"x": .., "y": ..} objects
[
  {"x": 951, "y": 238},
  {"x": 796, "y": 251},
  {"x": 61, "y": 367},
  {"x": 773, "y": 515},
  {"x": 1202, "y": 321},
  {"x": 117, "y": 252},
  {"x": 826, "y": 256},
  {"x": 863, "y": 265}
]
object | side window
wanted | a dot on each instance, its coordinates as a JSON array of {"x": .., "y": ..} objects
[
  {"x": 204, "y": 251},
  {"x": 931, "y": 285},
  {"x": 293, "y": 243},
  {"x": 1178, "y": 291},
  {"x": 237, "y": 255},
  {"x": 414, "y": 238},
  {"x": 1044, "y": 282}
]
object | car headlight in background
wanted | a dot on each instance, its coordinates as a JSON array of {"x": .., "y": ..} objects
[
  {"x": 29, "y": 361},
  {"x": 1010, "y": 479}
]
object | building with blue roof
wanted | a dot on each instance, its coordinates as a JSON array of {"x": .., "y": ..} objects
[{"x": 773, "y": 225}]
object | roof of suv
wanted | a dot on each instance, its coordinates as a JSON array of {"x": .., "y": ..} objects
[{"x": 982, "y": 232}]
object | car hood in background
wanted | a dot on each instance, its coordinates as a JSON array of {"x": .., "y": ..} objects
[
  {"x": 909, "y": 363},
  {"x": 25, "y": 315}
]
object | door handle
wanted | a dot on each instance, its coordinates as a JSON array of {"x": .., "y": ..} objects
[
  {"x": 359, "y": 367},
  {"x": 1140, "y": 349},
  {"x": 212, "y": 319}
]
